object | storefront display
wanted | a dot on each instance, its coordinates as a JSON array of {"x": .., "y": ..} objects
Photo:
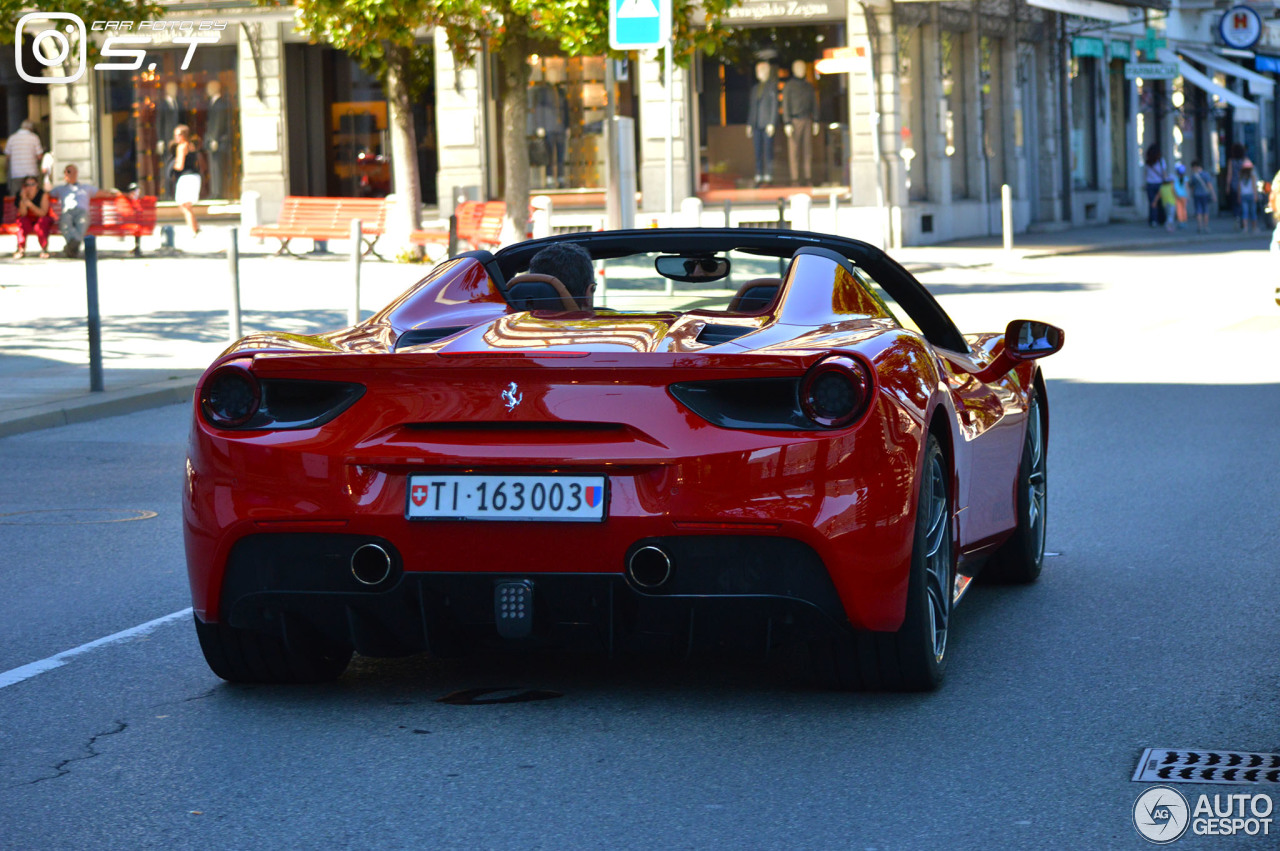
[
  {"x": 141, "y": 109},
  {"x": 567, "y": 103},
  {"x": 768, "y": 113}
]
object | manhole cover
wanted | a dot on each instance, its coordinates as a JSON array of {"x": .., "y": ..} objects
[
  {"x": 74, "y": 516},
  {"x": 1207, "y": 766},
  {"x": 483, "y": 696}
]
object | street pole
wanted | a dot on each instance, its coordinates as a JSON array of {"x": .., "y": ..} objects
[
  {"x": 95, "y": 317},
  {"x": 357, "y": 243},
  {"x": 233, "y": 267},
  {"x": 668, "y": 78},
  {"x": 669, "y": 75}
]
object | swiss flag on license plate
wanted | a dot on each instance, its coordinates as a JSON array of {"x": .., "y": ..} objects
[{"x": 419, "y": 495}]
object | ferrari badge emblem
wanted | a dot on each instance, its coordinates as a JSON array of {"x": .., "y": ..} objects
[{"x": 512, "y": 396}]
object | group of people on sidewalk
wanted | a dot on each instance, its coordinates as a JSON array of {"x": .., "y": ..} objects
[
  {"x": 1170, "y": 191},
  {"x": 29, "y": 179}
]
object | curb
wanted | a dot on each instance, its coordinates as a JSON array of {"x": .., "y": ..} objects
[{"x": 98, "y": 405}]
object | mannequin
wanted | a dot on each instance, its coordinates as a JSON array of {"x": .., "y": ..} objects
[
  {"x": 217, "y": 138},
  {"x": 170, "y": 112},
  {"x": 800, "y": 120},
  {"x": 762, "y": 116},
  {"x": 548, "y": 121}
]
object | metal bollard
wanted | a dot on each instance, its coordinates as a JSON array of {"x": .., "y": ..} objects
[
  {"x": 357, "y": 246},
  {"x": 95, "y": 317},
  {"x": 233, "y": 267},
  {"x": 728, "y": 206},
  {"x": 1006, "y": 216}
]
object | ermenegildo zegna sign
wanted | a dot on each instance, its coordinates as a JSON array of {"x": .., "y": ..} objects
[{"x": 783, "y": 11}]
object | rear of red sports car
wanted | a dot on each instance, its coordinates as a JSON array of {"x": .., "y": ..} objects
[{"x": 462, "y": 469}]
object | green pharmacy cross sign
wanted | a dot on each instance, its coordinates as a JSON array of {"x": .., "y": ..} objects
[
  {"x": 639, "y": 24},
  {"x": 1150, "y": 44}
]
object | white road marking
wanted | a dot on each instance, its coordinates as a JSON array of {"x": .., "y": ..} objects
[{"x": 35, "y": 669}]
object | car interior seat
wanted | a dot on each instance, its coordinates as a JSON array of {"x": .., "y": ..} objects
[
  {"x": 532, "y": 291},
  {"x": 755, "y": 295}
]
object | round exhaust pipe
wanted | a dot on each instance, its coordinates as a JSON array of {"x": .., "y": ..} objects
[
  {"x": 370, "y": 564},
  {"x": 649, "y": 566}
]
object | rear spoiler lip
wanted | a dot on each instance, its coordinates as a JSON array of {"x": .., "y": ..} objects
[{"x": 283, "y": 362}]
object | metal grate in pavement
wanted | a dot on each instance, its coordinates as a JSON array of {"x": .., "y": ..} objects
[{"x": 1207, "y": 766}]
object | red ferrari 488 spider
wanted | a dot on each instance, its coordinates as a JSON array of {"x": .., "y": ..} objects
[{"x": 823, "y": 457}]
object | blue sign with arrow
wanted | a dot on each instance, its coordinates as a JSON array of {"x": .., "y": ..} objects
[{"x": 639, "y": 24}]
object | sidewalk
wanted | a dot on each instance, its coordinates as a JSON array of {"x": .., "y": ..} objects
[{"x": 165, "y": 318}]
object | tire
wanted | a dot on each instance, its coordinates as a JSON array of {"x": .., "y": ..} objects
[
  {"x": 914, "y": 657},
  {"x": 1020, "y": 559},
  {"x": 245, "y": 656}
]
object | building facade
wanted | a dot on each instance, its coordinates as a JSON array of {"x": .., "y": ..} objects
[{"x": 907, "y": 117}]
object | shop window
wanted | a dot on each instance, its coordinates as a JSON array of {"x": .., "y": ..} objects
[
  {"x": 568, "y": 103},
  {"x": 914, "y": 130},
  {"x": 955, "y": 96},
  {"x": 991, "y": 91},
  {"x": 139, "y": 110},
  {"x": 806, "y": 87},
  {"x": 1084, "y": 128},
  {"x": 359, "y": 147}
]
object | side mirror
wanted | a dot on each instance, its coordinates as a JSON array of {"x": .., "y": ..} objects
[
  {"x": 1024, "y": 339},
  {"x": 1027, "y": 339},
  {"x": 692, "y": 269}
]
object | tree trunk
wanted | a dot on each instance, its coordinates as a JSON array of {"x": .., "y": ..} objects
[
  {"x": 514, "y": 56},
  {"x": 404, "y": 146}
]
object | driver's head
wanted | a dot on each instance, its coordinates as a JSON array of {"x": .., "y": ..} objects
[{"x": 572, "y": 265}]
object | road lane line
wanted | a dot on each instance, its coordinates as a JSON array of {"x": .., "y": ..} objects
[{"x": 35, "y": 669}]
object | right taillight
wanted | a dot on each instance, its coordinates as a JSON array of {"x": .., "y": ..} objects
[{"x": 836, "y": 391}]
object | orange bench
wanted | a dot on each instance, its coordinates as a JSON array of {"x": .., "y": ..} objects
[
  {"x": 479, "y": 224},
  {"x": 109, "y": 215},
  {"x": 319, "y": 219}
]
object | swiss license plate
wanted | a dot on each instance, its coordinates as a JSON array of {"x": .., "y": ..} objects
[{"x": 471, "y": 497}]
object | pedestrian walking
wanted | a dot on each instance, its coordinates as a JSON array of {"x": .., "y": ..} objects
[
  {"x": 1235, "y": 160},
  {"x": 1248, "y": 199},
  {"x": 1273, "y": 202},
  {"x": 1180, "y": 193},
  {"x": 1156, "y": 175},
  {"x": 1169, "y": 202},
  {"x": 32, "y": 206},
  {"x": 73, "y": 220},
  {"x": 1203, "y": 194},
  {"x": 186, "y": 167},
  {"x": 24, "y": 151}
]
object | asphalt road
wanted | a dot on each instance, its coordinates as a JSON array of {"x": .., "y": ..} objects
[{"x": 1153, "y": 627}]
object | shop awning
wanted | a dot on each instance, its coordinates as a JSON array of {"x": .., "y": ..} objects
[
  {"x": 1119, "y": 13},
  {"x": 1258, "y": 84},
  {"x": 1246, "y": 111}
]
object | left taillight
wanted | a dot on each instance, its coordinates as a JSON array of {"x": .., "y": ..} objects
[{"x": 234, "y": 398}]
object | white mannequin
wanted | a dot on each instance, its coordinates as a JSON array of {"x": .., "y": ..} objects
[
  {"x": 762, "y": 74},
  {"x": 797, "y": 71}
]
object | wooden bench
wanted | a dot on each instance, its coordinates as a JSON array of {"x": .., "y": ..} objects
[
  {"x": 109, "y": 215},
  {"x": 319, "y": 219},
  {"x": 479, "y": 225}
]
